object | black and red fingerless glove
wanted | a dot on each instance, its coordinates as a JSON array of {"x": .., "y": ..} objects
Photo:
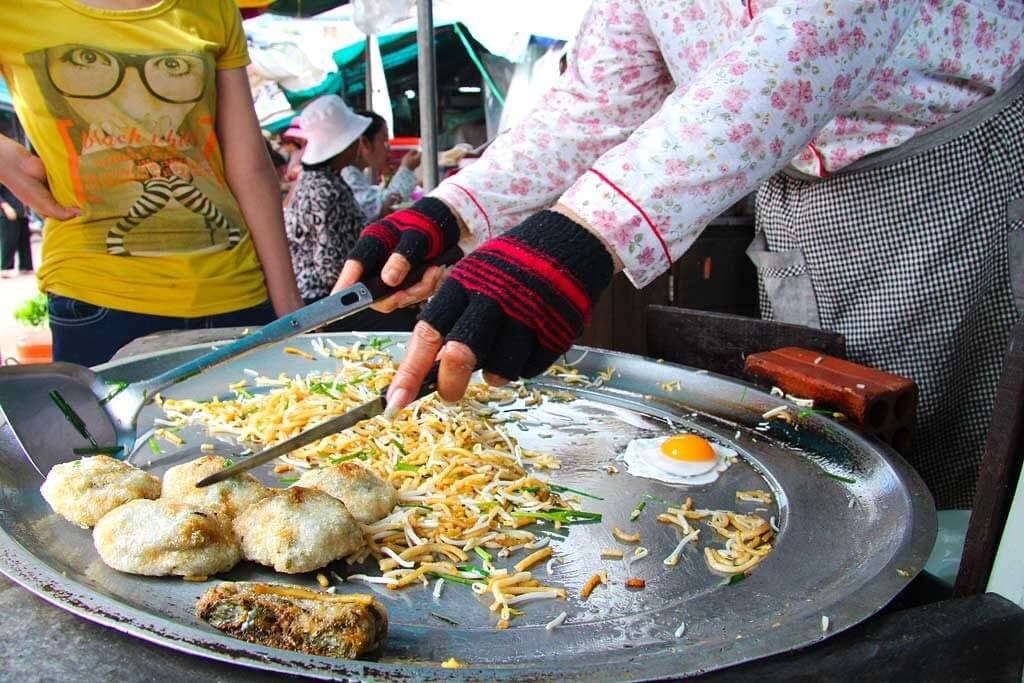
[
  {"x": 519, "y": 300},
  {"x": 419, "y": 233}
]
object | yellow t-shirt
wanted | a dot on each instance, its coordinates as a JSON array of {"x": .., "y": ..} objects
[{"x": 120, "y": 105}]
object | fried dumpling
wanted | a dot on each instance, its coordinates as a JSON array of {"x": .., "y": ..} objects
[
  {"x": 233, "y": 495},
  {"x": 367, "y": 497},
  {"x": 298, "y": 530},
  {"x": 165, "y": 537},
  {"x": 295, "y": 618},
  {"x": 84, "y": 490}
]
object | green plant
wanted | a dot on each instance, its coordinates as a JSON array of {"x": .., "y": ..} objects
[{"x": 33, "y": 312}]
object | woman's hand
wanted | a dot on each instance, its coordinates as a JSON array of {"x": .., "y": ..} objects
[
  {"x": 411, "y": 159},
  {"x": 511, "y": 308},
  {"x": 387, "y": 205},
  {"x": 24, "y": 174}
]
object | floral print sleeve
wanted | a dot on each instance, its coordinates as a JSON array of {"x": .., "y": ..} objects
[
  {"x": 672, "y": 110},
  {"x": 616, "y": 80}
]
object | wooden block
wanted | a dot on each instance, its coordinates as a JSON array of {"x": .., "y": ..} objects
[
  {"x": 879, "y": 403},
  {"x": 719, "y": 342}
]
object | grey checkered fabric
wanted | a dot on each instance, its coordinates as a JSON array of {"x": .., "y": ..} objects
[{"x": 911, "y": 263}]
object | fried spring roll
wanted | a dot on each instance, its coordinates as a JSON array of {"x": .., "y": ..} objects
[{"x": 295, "y": 618}]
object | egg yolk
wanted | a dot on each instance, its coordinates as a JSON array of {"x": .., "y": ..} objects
[{"x": 687, "y": 447}]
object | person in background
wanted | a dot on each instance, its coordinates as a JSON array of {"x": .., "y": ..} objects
[
  {"x": 292, "y": 142},
  {"x": 897, "y": 218},
  {"x": 376, "y": 201},
  {"x": 323, "y": 220},
  {"x": 280, "y": 164},
  {"x": 163, "y": 209},
  {"x": 15, "y": 238}
]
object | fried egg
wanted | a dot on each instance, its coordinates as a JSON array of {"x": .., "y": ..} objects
[{"x": 677, "y": 459}]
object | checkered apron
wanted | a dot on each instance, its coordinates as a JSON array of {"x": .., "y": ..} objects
[{"x": 918, "y": 259}]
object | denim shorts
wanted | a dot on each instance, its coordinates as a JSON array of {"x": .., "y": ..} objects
[{"x": 89, "y": 335}]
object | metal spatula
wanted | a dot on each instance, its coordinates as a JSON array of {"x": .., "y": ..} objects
[{"x": 59, "y": 409}]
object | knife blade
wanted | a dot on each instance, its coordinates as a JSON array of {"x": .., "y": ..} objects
[{"x": 338, "y": 423}]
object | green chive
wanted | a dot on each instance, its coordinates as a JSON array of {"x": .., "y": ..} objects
[
  {"x": 443, "y": 618},
  {"x": 563, "y": 489},
  {"x": 734, "y": 579},
  {"x": 118, "y": 388},
  {"x": 242, "y": 393},
  {"x": 380, "y": 343},
  {"x": 360, "y": 455},
  {"x": 484, "y": 555},
  {"x": 406, "y": 467},
  {"x": 845, "y": 480},
  {"x": 289, "y": 480},
  {"x": 637, "y": 510},
  {"x": 472, "y": 568},
  {"x": 561, "y": 515},
  {"x": 98, "y": 450},
  {"x": 453, "y": 578},
  {"x": 154, "y": 445},
  {"x": 227, "y": 463},
  {"x": 399, "y": 447},
  {"x": 410, "y": 505},
  {"x": 322, "y": 388},
  {"x": 71, "y": 416}
]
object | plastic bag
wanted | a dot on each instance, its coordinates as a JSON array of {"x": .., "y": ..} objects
[{"x": 376, "y": 16}]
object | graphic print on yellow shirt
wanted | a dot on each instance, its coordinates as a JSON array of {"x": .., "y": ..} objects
[{"x": 137, "y": 130}]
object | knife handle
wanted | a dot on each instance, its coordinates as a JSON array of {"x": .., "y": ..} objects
[{"x": 379, "y": 290}]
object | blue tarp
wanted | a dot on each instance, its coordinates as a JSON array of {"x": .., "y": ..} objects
[{"x": 5, "y": 95}]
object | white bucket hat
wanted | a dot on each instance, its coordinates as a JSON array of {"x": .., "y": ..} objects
[{"x": 330, "y": 127}]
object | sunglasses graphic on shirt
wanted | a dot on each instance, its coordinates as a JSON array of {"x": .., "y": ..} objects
[{"x": 94, "y": 73}]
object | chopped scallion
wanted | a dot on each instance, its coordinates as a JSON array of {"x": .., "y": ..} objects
[
  {"x": 453, "y": 578},
  {"x": 154, "y": 445},
  {"x": 98, "y": 450},
  {"x": 637, "y": 510},
  {"x": 118, "y": 388},
  {"x": 71, "y": 416},
  {"x": 484, "y": 555},
  {"x": 845, "y": 480},
  {"x": 563, "y": 489},
  {"x": 443, "y": 618},
  {"x": 734, "y": 579}
]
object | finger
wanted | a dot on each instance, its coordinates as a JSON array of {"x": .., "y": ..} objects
[
  {"x": 420, "y": 291},
  {"x": 458, "y": 362},
  {"x": 351, "y": 273},
  {"x": 495, "y": 380},
  {"x": 424, "y": 345},
  {"x": 45, "y": 205},
  {"x": 395, "y": 270},
  {"x": 426, "y": 287}
]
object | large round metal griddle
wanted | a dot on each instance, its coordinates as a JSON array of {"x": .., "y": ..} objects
[{"x": 844, "y": 551}]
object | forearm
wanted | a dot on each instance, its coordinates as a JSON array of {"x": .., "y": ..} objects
[
  {"x": 615, "y": 81},
  {"x": 258, "y": 196},
  {"x": 746, "y": 113},
  {"x": 251, "y": 177}
]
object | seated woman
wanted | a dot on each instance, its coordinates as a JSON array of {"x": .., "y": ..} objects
[
  {"x": 323, "y": 220},
  {"x": 376, "y": 201}
]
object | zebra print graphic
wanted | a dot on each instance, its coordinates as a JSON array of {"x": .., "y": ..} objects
[{"x": 156, "y": 193}]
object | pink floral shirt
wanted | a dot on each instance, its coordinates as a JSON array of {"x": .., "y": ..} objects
[{"x": 673, "y": 110}]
